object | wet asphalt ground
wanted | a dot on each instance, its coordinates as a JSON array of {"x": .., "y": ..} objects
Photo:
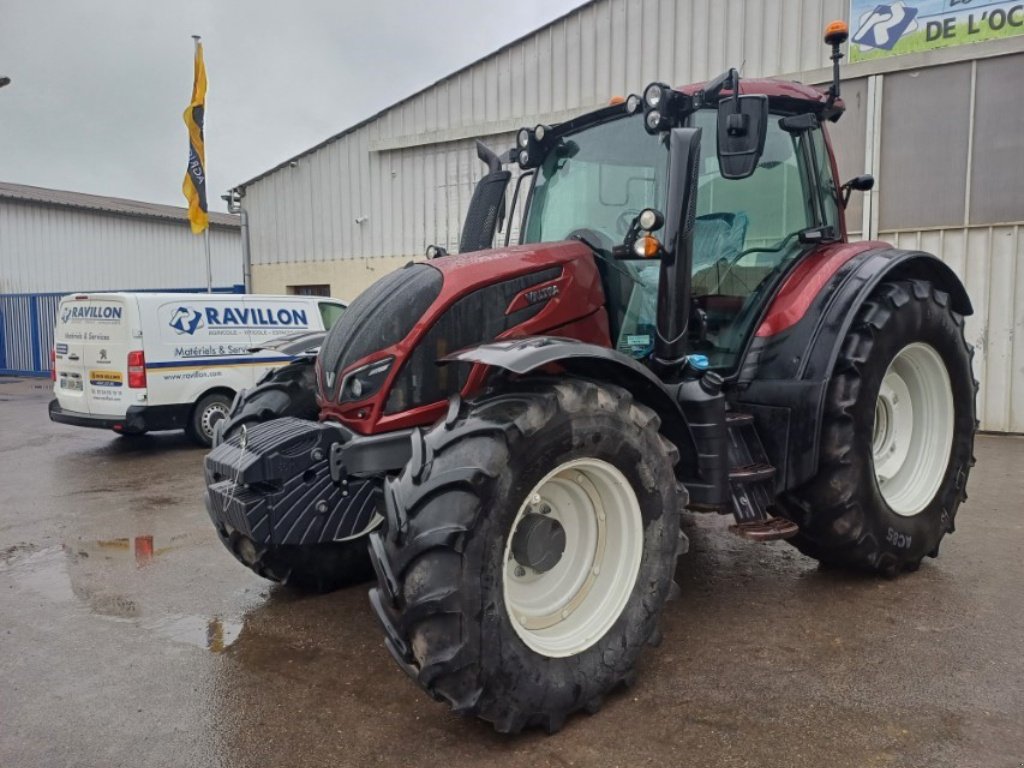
[{"x": 128, "y": 637}]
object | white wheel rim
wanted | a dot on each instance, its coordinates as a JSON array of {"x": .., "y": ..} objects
[
  {"x": 568, "y": 608},
  {"x": 913, "y": 431}
]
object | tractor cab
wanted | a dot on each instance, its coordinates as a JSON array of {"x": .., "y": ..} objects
[{"x": 591, "y": 179}]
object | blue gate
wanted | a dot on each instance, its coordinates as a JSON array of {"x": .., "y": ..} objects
[
  {"x": 26, "y": 332},
  {"x": 26, "y": 329}
]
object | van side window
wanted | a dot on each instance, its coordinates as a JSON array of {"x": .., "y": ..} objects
[{"x": 330, "y": 314}]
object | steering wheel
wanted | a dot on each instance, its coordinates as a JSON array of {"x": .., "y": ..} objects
[
  {"x": 596, "y": 241},
  {"x": 625, "y": 220}
]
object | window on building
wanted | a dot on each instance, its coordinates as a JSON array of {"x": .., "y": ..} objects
[
  {"x": 925, "y": 125},
  {"x": 997, "y": 181},
  {"x": 310, "y": 290}
]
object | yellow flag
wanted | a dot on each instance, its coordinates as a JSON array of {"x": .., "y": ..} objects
[{"x": 194, "y": 186}]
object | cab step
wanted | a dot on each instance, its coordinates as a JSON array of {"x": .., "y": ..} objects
[
  {"x": 772, "y": 529},
  {"x": 752, "y": 483},
  {"x": 752, "y": 473}
]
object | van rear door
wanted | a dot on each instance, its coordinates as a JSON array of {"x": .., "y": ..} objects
[{"x": 92, "y": 339}]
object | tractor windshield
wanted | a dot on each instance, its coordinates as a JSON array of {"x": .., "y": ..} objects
[{"x": 595, "y": 181}]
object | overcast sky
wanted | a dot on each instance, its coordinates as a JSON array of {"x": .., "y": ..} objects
[{"x": 98, "y": 86}]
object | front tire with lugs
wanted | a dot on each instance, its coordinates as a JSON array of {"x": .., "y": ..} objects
[{"x": 529, "y": 548}]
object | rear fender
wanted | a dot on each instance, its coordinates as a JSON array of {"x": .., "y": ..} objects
[
  {"x": 522, "y": 356},
  {"x": 785, "y": 374}
]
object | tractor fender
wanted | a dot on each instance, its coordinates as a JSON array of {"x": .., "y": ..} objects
[
  {"x": 790, "y": 369},
  {"x": 521, "y": 356}
]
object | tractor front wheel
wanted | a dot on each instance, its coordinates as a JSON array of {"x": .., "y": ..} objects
[
  {"x": 529, "y": 548},
  {"x": 897, "y": 436}
]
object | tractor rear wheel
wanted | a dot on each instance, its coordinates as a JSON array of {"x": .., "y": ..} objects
[
  {"x": 286, "y": 391},
  {"x": 897, "y": 436},
  {"x": 529, "y": 548},
  {"x": 318, "y": 568}
]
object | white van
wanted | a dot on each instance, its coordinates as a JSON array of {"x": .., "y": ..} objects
[{"x": 136, "y": 362}]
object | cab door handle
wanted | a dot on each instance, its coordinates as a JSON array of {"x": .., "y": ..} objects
[{"x": 73, "y": 357}]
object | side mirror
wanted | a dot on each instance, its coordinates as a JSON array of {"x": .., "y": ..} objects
[
  {"x": 742, "y": 128},
  {"x": 863, "y": 183}
]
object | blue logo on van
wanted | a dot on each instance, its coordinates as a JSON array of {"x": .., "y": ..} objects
[{"x": 186, "y": 320}]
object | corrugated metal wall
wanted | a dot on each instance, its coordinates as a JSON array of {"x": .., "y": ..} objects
[
  {"x": 403, "y": 179},
  {"x": 407, "y": 176},
  {"x": 45, "y": 248},
  {"x": 987, "y": 259}
]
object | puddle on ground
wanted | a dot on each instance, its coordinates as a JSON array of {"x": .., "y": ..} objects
[
  {"x": 67, "y": 574},
  {"x": 214, "y": 634}
]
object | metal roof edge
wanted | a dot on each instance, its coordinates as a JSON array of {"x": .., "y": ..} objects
[{"x": 25, "y": 193}]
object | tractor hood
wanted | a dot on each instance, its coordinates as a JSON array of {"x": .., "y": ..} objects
[{"x": 377, "y": 368}]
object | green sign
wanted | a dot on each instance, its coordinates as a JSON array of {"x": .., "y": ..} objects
[{"x": 878, "y": 30}]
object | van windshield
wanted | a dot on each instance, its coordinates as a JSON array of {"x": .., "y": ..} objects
[{"x": 330, "y": 313}]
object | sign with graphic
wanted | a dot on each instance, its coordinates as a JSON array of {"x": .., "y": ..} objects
[
  {"x": 106, "y": 378},
  {"x": 880, "y": 29},
  {"x": 218, "y": 320}
]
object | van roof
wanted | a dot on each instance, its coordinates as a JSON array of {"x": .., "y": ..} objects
[{"x": 171, "y": 296}]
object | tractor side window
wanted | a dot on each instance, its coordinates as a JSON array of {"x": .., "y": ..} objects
[
  {"x": 826, "y": 180},
  {"x": 745, "y": 233}
]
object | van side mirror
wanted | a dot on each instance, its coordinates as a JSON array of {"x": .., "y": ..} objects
[
  {"x": 742, "y": 128},
  {"x": 864, "y": 183}
]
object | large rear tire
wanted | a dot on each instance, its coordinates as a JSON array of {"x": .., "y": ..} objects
[
  {"x": 529, "y": 548},
  {"x": 291, "y": 391},
  {"x": 286, "y": 391},
  {"x": 897, "y": 436},
  {"x": 318, "y": 568}
]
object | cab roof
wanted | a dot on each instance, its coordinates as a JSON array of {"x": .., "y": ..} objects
[{"x": 783, "y": 95}]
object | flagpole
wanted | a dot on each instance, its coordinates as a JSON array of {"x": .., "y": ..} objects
[
  {"x": 206, "y": 232},
  {"x": 209, "y": 271}
]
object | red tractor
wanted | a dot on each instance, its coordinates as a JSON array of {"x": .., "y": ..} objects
[{"x": 683, "y": 325}]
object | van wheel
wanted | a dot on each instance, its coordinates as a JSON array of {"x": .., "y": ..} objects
[{"x": 204, "y": 418}]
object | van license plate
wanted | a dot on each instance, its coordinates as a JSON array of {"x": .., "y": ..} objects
[{"x": 72, "y": 384}]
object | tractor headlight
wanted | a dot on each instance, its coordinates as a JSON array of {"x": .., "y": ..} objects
[
  {"x": 651, "y": 219},
  {"x": 523, "y": 138},
  {"x": 653, "y": 120},
  {"x": 524, "y": 159},
  {"x": 538, "y": 132},
  {"x": 633, "y": 104},
  {"x": 654, "y": 95},
  {"x": 366, "y": 380}
]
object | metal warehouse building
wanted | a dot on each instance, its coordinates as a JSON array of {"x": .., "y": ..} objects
[
  {"x": 53, "y": 243},
  {"x": 935, "y": 111}
]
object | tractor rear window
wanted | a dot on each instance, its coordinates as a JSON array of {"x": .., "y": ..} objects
[{"x": 744, "y": 236}]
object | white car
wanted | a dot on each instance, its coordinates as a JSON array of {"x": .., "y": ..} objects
[{"x": 140, "y": 362}]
